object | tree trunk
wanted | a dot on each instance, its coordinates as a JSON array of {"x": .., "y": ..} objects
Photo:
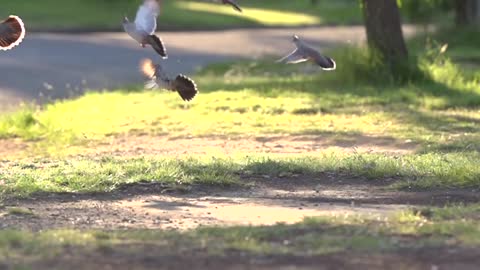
[
  {"x": 461, "y": 15},
  {"x": 384, "y": 29},
  {"x": 476, "y": 12},
  {"x": 467, "y": 12}
]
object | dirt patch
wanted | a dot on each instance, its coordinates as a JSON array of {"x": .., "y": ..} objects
[
  {"x": 285, "y": 145},
  {"x": 134, "y": 145},
  {"x": 264, "y": 202},
  {"x": 12, "y": 148}
]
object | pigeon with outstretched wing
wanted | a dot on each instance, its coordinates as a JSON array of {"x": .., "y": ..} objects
[
  {"x": 304, "y": 52},
  {"x": 143, "y": 28},
  {"x": 12, "y": 32},
  {"x": 183, "y": 85}
]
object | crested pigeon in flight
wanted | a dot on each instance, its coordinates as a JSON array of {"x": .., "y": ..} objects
[
  {"x": 143, "y": 28},
  {"x": 12, "y": 32},
  {"x": 183, "y": 85},
  {"x": 304, "y": 52}
]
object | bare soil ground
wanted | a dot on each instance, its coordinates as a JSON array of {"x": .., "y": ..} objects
[
  {"x": 309, "y": 144},
  {"x": 128, "y": 145},
  {"x": 11, "y": 148},
  {"x": 263, "y": 201},
  {"x": 266, "y": 201}
]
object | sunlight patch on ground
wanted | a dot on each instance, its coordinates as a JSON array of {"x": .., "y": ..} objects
[{"x": 262, "y": 16}]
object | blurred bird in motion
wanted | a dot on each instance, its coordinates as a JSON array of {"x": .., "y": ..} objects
[
  {"x": 143, "y": 28},
  {"x": 304, "y": 52},
  {"x": 183, "y": 85},
  {"x": 232, "y": 3},
  {"x": 12, "y": 32}
]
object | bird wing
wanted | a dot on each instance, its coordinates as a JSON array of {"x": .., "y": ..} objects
[
  {"x": 234, "y": 4},
  {"x": 12, "y": 32},
  {"x": 146, "y": 18},
  {"x": 158, "y": 45},
  {"x": 293, "y": 58}
]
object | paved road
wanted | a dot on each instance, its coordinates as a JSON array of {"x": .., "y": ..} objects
[{"x": 59, "y": 65}]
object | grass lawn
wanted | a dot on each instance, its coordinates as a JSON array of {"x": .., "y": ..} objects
[
  {"x": 179, "y": 14},
  {"x": 260, "y": 98},
  {"x": 454, "y": 228},
  {"x": 437, "y": 113},
  {"x": 427, "y": 171},
  {"x": 436, "y": 109}
]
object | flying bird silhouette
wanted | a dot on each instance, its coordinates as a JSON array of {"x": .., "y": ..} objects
[
  {"x": 305, "y": 52},
  {"x": 183, "y": 85},
  {"x": 12, "y": 32},
  {"x": 143, "y": 28},
  {"x": 233, "y": 3}
]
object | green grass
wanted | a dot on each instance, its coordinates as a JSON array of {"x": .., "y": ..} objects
[
  {"x": 183, "y": 14},
  {"x": 179, "y": 14},
  {"x": 357, "y": 235},
  {"x": 462, "y": 43},
  {"x": 108, "y": 174},
  {"x": 19, "y": 211},
  {"x": 436, "y": 108},
  {"x": 436, "y": 111}
]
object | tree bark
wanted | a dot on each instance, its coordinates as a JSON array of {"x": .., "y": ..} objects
[
  {"x": 384, "y": 29},
  {"x": 461, "y": 12},
  {"x": 476, "y": 12},
  {"x": 467, "y": 12}
]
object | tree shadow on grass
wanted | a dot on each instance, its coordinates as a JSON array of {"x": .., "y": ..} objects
[
  {"x": 327, "y": 86},
  {"x": 306, "y": 246}
]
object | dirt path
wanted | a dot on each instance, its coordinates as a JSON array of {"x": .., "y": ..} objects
[
  {"x": 131, "y": 146},
  {"x": 264, "y": 202},
  {"x": 274, "y": 144}
]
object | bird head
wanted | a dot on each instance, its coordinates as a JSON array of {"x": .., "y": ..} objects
[
  {"x": 295, "y": 38},
  {"x": 125, "y": 20}
]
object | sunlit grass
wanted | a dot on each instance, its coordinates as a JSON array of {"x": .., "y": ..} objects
[
  {"x": 106, "y": 174},
  {"x": 179, "y": 14},
  {"x": 246, "y": 99},
  {"x": 434, "y": 108},
  {"x": 260, "y": 16},
  {"x": 245, "y": 113}
]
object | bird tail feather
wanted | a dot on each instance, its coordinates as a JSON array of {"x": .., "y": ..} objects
[
  {"x": 331, "y": 65},
  {"x": 186, "y": 87},
  {"x": 13, "y": 37}
]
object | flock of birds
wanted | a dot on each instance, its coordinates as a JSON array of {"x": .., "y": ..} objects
[{"x": 143, "y": 28}]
